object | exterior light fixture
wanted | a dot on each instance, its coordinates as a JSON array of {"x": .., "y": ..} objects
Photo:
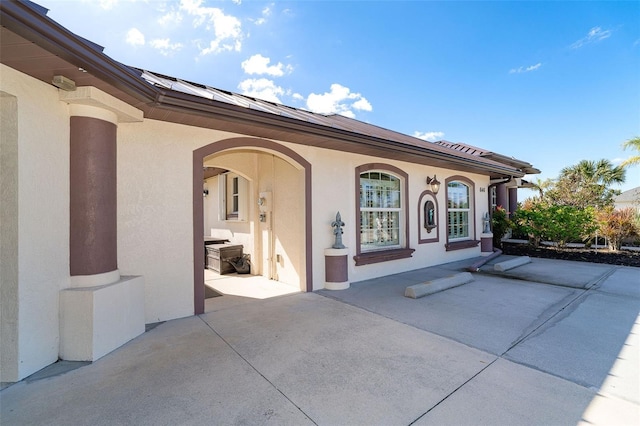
[
  {"x": 435, "y": 185},
  {"x": 205, "y": 192},
  {"x": 64, "y": 83}
]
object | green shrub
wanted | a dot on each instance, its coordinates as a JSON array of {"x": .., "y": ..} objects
[
  {"x": 561, "y": 224},
  {"x": 500, "y": 224},
  {"x": 570, "y": 224},
  {"x": 531, "y": 220}
]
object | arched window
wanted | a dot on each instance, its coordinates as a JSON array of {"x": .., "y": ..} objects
[
  {"x": 382, "y": 210},
  {"x": 458, "y": 209},
  {"x": 460, "y": 213},
  {"x": 381, "y": 205}
]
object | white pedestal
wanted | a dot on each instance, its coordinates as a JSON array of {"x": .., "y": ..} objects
[
  {"x": 336, "y": 286},
  {"x": 96, "y": 320}
]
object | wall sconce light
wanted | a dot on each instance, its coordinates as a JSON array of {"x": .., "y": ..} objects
[
  {"x": 435, "y": 185},
  {"x": 205, "y": 192},
  {"x": 64, "y": 83}
]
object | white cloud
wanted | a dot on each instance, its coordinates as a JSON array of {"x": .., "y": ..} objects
[
  {"x": 135, "y": 37},
  {"x": 258, "y": 64},
  {"x": 429, "y": 136},
  {"x": 595, "y": 34},
  {"x": 165, "y": 46},
  {"x": 108, "y": 4},
  {"x": 261, "y": 88},
  {"x": 297, "y": 97},
  {"x": 266, "y": 13},
  {"x": 525, "y": 69},
  {"x": 362, "y": 104},
  {"x": 173, "y": 17},
  {"x": 340, "y": 100},
  {"x": 227, "y": 29}
]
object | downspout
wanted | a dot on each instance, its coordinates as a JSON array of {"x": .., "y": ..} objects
[
  {"x": 509, "y": 179},
  {"x": 476, "y": 266}
]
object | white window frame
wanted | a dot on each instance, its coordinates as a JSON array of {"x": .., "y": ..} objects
[
  {"x": 399, "y": 211},
  {"x": 227, "y": 197},
  {"x": 468, "y": 210}
]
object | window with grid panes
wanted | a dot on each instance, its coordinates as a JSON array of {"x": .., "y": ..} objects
[
  {"x": 458, "y": 211},
  {"x": 380, "y": 211}
]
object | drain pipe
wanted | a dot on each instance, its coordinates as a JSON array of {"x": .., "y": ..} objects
[{"x": 476, "y": 266}]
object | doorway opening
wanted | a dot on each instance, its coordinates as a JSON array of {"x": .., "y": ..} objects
[{"x": 252, "y": 202}]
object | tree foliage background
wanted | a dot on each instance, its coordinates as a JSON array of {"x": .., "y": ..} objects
[{"x": 579, "y": 202}]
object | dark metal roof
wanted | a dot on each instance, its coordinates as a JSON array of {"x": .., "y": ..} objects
[
  {"x": 38, "y": 46},
  {"x": 470, "y": 149}
]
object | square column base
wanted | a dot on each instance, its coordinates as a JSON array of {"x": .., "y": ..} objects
[
  {"x": 486, "y": 243},
  {"x": 96, "y": 320}
]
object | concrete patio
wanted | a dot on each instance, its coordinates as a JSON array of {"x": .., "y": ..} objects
[{"x": 551, "y": 342}]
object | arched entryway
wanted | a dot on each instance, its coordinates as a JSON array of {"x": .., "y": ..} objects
[{"x": 262, "y": 147}]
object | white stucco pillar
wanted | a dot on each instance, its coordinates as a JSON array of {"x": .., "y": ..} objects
[{"x": 102, "y": 310}]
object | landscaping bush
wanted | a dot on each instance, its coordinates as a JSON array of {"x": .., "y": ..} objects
[
  {"x": 531, "y": 219},
  {"x": 617, "y": 225},
  {"x": 561, "y": 224},
  {"x": 500, "y": 224},
  {"x": 570, "y": 224}
]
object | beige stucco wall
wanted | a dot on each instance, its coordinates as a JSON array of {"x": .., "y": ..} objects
[
  {"x": 241, "y": 232},
  {"x": 277, "y": 241},
  {"x": 41, "y": 229},
  {"x": 334, "y": 189},
  {"x": 155, "y": 214},
  {"x": 155, "y": 211}
]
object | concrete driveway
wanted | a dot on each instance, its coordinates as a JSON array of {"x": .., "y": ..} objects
[{"x": 497, "y": 351}]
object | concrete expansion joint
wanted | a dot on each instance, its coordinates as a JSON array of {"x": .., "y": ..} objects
[
  {"x": 595, "y": 284},
  {"x": 455, "y": 390},
  {"x": 562, "y": 310},
  {"x": 255, "y": 369}
]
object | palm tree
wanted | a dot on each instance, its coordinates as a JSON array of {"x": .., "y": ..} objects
[
  {"x": 601, "y": 172},
  {"x": 633, "y": 143},
  {"x": 541, "y": 185},
  {"x": 587, "y": 184}
]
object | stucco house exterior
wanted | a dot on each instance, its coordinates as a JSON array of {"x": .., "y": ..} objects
[
  {"x": 112, "y": 177},
  {"x": 629, "y": 198}
]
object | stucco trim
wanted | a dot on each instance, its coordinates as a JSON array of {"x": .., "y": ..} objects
[
  {"x": 436, "y": 237},
  {"x": 92, "y": 96},
  {"x": 198, "y": 218}
]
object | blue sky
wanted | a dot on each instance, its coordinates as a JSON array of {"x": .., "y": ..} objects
[{"x": 551, "y": 83}]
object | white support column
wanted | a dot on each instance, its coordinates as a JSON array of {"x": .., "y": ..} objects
[{"x": 101, "y": 310}]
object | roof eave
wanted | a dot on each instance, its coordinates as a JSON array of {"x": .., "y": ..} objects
[
  {"x": 29, "y": 20},
  {"x": 173, "y": 100}
]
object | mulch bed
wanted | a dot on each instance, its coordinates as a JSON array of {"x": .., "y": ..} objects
[{"x": 622, "y": 257}]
